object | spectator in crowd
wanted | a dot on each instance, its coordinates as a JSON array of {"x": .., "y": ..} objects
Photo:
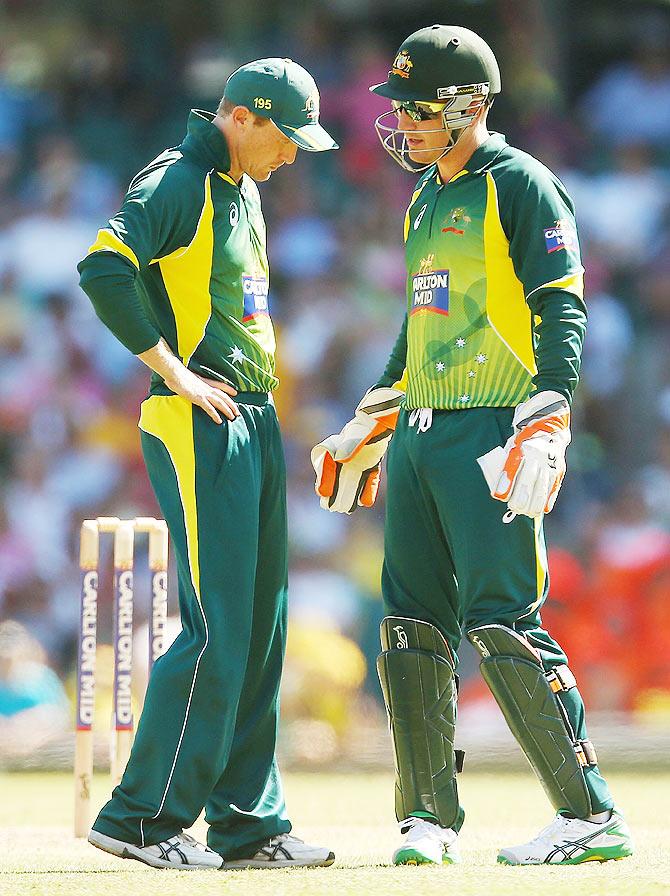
[
  {"x": 631, "y": 100},
  {"x": 621, "y": 211},
  {"x": 33, "y": 706}
]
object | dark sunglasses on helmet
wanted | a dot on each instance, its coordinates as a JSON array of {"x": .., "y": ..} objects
[{"x": 418, "y": 111}]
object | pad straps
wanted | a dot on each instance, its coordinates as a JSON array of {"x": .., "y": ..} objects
[{"x": 528, "y": 698}]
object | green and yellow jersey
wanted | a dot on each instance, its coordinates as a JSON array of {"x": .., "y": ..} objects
[
  {"x": 185, "y": 258},
  {"x": 495, "y": 305}
]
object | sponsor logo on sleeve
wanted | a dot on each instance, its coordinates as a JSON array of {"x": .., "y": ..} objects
[
  {"x": 560, "y": 235},
  {"x": 255, "y": 292}
]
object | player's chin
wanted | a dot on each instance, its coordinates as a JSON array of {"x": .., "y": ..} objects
[
  {"x": 261, "y": 172},
  {"x": 420, "y": 155},
  {"x": 423, "y": 156},
  {"x": 271, "y": 170}
]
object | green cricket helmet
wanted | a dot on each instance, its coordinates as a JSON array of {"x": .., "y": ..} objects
[{"x": 442, "y": 72}]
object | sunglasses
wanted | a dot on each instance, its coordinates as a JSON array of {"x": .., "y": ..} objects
[{"x": 418, "y": 111}]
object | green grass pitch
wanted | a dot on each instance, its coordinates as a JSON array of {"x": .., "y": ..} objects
[{"x": 352, "y": 814}]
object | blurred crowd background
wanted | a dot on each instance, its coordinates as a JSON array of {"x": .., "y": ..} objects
[{"x": 89, "y": 93}]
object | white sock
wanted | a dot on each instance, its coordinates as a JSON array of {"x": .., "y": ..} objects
[{"x": 599, "y": 817}]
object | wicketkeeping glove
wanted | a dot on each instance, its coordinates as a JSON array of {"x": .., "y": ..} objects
[
  {"x": 347, "y": 464},
  {"x": 527, "y": 473}
]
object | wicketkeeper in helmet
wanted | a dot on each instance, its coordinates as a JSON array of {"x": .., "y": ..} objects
[{"x": 474, "y": 407}]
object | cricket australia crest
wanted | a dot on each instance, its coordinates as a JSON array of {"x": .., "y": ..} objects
[
  {"x": 402, "y": 65},
  {"x": 311, "y": 107}
]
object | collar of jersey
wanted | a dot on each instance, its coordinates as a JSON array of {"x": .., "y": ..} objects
[
  {"x": 481, "y": 158},
  {"x": 205, "y": 141}
]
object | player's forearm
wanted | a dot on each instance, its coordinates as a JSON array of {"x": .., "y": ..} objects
[
  {"x": 213, "y": 397},
  {"x": 162, "y": 361},
  {"x": 109, "y": 283},
  {"x": 395, "y": 368},
  {"x": 559, "y": 349}
]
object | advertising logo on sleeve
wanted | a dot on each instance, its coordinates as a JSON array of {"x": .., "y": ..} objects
[
  {"x": 560, "y": 235},
  {"x": 255, "y": 292},
  {"x": 430, "y": 289}
]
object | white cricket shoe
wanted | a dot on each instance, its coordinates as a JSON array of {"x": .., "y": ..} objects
[
  {"x": 181, "y": 851},
  {"x": 285, "y": 851},
  {"x": 571, "y": 841},
  {"x": 426, "y": 842}
]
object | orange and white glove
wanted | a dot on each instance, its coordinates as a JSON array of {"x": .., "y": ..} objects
[
  {"x": 527, "y": 473},
  {"x": 348, "y": 464}
]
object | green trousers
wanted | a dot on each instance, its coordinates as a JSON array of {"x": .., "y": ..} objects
[
  {"x": 448, "y": 557},
  {"x": 207, "y": 734}
]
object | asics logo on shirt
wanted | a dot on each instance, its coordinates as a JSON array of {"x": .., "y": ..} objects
[{"x": 420, "y": 216}]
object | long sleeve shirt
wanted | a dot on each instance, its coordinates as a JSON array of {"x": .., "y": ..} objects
[
  {"x": 495, "y": 308},
  {"x": 185, "y": 259}
]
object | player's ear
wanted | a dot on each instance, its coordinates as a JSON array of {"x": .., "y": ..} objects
[
  {"x": 481, "y": 114},
  {"x": 241, "y": 116}
]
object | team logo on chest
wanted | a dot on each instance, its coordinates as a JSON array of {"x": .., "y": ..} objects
[
  {"x": 456, "y": 222},
  {"x": 255, "y": 292},
  {"x": 430, "y": 289},
  {"x": 234, "y": 214}
]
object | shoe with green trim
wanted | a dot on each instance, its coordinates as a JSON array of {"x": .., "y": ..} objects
[
  {"x": 426, "y": 843},
  {"x": 572, "y": 841}
]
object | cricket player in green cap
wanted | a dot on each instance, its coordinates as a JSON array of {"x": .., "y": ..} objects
[
  {"x": 476, "y": 396},
  {"x": 180, "y": 276}
]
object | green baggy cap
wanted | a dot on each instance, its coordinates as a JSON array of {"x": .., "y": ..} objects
[{"x": 284, "y": 92}]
